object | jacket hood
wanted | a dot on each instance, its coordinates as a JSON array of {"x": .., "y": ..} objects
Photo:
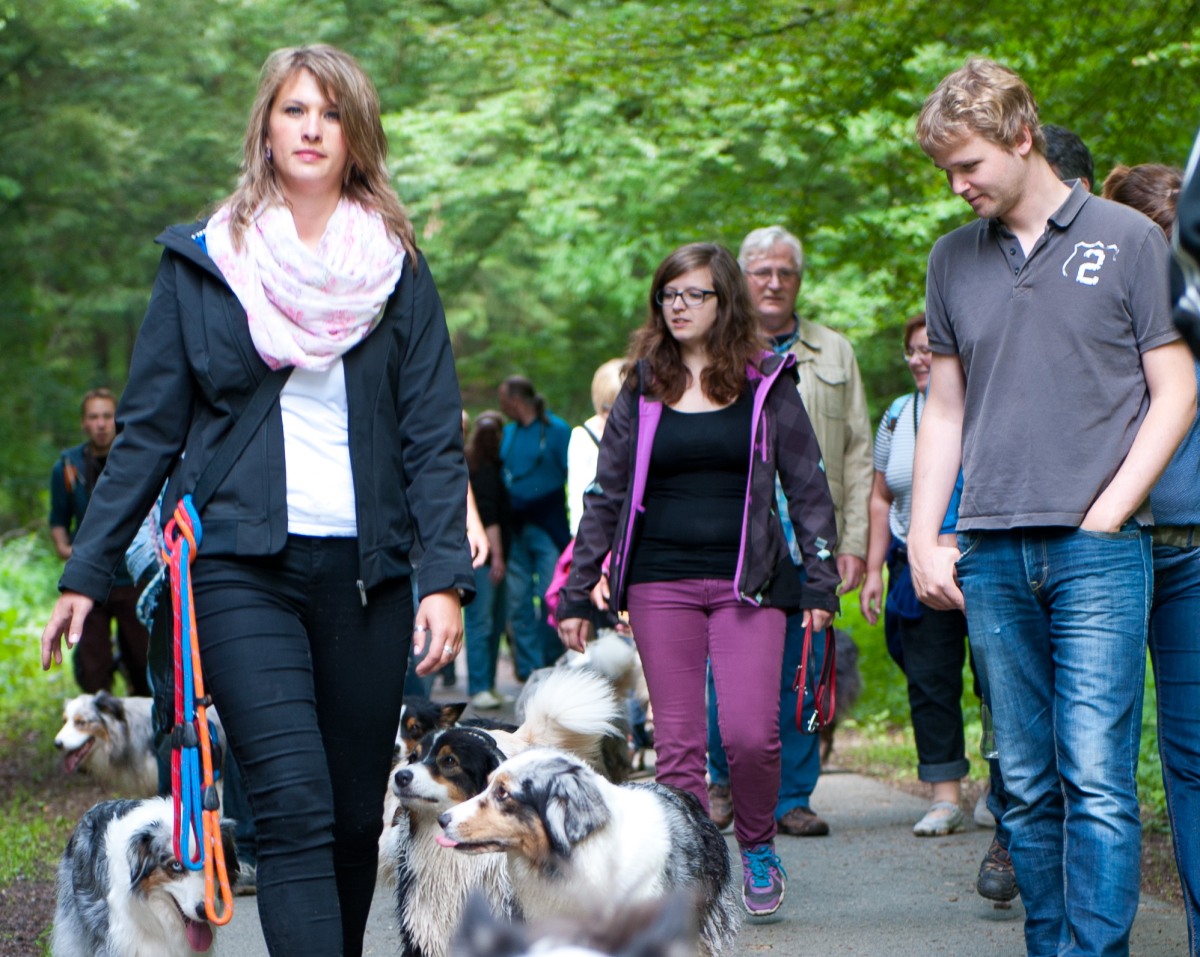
[{"x": 181, "y": 239}]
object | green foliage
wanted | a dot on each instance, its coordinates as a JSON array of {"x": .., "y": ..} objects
[
  {"x": 28, "y": 572},
  {"x": 551, "y": 153}
]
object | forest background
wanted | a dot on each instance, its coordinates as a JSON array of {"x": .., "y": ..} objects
[{"x": 550, "y": 152}]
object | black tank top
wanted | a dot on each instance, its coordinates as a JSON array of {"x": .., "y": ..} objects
[{"x": 695, "y": 495}]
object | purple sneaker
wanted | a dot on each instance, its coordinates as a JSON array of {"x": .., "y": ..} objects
[{"x": 763, "y": 880}]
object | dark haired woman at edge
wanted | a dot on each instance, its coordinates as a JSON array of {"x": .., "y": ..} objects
[
  {"x": 302, "y": 584},
  {"x": 687, "y": 469}
]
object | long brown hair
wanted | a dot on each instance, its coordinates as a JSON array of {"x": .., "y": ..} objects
[
  {"x": 733, "y": 342},
  {"x": 484, "y": 445},
  {"x": 366, "y": 179}
]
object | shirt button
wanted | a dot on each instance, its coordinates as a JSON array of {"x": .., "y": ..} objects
[{"x": 1013, "y": 251}]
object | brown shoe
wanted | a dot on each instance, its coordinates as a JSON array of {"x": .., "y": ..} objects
[
  {"x": 802, "y": 822},
  {"x": 720, "y": 805}
]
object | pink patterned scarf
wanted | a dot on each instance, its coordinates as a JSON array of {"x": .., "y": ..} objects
[{"x": 307, "y": 308}]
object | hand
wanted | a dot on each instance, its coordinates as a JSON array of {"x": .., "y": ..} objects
[
  {"x": 934, "y": 578},
  {"x": 819, "y": 617},
  {"x": 574, "y": 633},
  {"x": 1100, "y": 519},
  {"x": 870, "y": 599},
  {"x": 65, "y": 621},
  {"x": 439, "y": 621},
  {"x": 498, "y": 570},
  {"x": 478, "y": 540},
  {"x": 851, "y": 568},
  {"x": 600, "y": 594}
]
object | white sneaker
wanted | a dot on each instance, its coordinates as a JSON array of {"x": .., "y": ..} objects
[
  {"x": 983, "y": 815},
  {"x": 486, "y": 700}
]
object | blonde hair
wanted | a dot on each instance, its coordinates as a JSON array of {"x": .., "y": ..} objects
[
  {"x": 366, "y": 180},
  {"x": 984, "y": 97},
  {"x": 606, "y": 385}
]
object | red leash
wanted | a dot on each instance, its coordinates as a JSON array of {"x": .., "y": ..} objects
[{"x": 824, "y": 694}]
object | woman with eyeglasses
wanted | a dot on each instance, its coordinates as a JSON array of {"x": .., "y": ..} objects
[
  {"x": 687, "y": 507},
  {"x": 929, "y": 644}
]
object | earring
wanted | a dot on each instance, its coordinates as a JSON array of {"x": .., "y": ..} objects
[{"x": 270, "y": 158}]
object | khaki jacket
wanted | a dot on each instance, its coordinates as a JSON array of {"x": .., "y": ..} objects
[{"x": 833, "y": 394}]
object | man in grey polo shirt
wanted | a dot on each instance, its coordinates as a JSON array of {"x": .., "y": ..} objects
[{"x": 1059, "y": 383}]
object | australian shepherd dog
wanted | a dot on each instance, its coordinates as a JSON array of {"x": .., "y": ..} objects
[
  {"x": 572, "y": 709},
  {"x": 662, "y": 928},
  {"x": 111, "y": 739},
  {"x": 123, "y": 893},
  {"x": 574, "y": 841}
]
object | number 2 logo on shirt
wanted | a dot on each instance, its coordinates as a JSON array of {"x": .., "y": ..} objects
[{"x": 1086, "y": 260}]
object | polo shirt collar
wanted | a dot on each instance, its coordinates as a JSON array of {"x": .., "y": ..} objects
[{"x": 1061, "y": 217}]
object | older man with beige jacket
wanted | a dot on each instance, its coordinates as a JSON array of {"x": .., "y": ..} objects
[{"x": 831, "y": 387}]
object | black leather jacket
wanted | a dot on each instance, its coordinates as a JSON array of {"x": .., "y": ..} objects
[{"x": 195, "y": 368}]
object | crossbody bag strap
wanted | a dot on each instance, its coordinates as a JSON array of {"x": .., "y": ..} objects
[{"x": 239, "y": 436}]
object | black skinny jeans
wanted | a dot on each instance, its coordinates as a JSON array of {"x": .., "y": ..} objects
[{"x": 308, "y": 683}]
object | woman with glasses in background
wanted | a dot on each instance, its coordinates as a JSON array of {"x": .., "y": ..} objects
[
  {"x": 929, "y": 644},
  {"x": 686, "y": 506}
]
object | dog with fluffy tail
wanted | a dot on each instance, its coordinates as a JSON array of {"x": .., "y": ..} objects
[
  {"x": 574, "y": 842},
  {"x": 123, "y": 893},
  {"x": 571, "y": 709}
]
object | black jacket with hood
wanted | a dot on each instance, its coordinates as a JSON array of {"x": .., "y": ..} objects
[{"x": 194, "y": 370}]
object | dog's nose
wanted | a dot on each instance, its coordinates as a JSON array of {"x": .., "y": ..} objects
[
  {"x": 58, "y": 743},
  {"x": 403, "y": 778},
  {"x": 444, "y": 818}
]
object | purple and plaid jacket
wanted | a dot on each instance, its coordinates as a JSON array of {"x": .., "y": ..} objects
[{"x": 782, "y": 441}]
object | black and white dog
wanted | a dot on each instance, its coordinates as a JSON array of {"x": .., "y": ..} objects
[
  {"x": 572, "y": 709},
  {"x": 111, "y": 739},
  {"x": 663, "y": 928},
  {"x": 123, "y": 893},
  {"x": 575, "y": 841}
]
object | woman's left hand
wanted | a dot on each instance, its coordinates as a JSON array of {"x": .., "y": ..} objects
[
  {"x": 820, "y": 618},
  {"x": 439, "y": 623}
]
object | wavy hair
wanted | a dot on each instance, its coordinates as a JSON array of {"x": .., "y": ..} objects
[
  {"x": 366, "y": 179},
  {"x": 984, "y": 97},
  {"x": 733, "y": 342}
]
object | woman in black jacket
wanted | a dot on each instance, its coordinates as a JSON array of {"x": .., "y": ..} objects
[{"x": 302, "y": 585}]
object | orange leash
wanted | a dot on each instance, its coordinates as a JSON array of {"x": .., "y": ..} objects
[{"x": 182, "y": 536}]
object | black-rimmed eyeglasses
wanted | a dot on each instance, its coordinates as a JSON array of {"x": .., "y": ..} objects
[{"x": 691, "y": 297}]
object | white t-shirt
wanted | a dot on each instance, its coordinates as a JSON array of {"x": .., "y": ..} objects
[{"x": 316, "y": 443}]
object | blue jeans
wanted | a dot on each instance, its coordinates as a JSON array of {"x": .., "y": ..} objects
[
  {"x": 1058, "y": 618},
  {"x": 530, "y": 568},
  {"x": 801, "y": 764},
  {"x": 1175, "y": 651},
  {"x": 483, "y": 622}
]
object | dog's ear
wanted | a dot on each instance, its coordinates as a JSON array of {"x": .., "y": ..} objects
[
  {"x": 481, "y": 934},
  {"x": 671, "y": 930},
  {"x": 107, "y": 704},
  {"x": 449, "y": 714},
  {"x": 144, "y": 855},
  {"x": 573, "y": 807}
]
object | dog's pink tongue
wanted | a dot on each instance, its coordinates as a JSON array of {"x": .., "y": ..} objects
[
  {"x": 199, "y": 935},
  {"x": 446, "y": 841}
]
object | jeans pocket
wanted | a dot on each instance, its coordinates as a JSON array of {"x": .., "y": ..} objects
[
  {"x": 1126, "y": 533},
  {"x": 967, "y": 543}
]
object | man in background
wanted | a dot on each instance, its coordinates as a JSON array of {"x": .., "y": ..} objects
[
  {"x": 72, "y": 480},
  {"x": 831, "y": 387}
]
